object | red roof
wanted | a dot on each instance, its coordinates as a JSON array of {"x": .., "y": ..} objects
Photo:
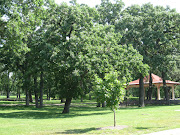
[{"x": 155, "y": 80}]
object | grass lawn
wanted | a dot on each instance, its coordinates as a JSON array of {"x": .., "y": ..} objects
[{"x": 85, "y": 118}]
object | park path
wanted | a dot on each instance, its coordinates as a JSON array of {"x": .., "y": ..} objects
[{"x": 167, "y": 132}]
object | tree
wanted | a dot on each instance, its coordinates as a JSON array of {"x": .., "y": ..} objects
[
  {"x": 174, "y": 73},
  {"x": 21, "y": 22},
  {"x": 153, "y": 31},
  {"x": 141, "y": 91},
  {"x": 112, "y": 64},
  {"x": 6, "y": 83},
  {"x": 62, "y": 29},
  {"x": 109, "y": 12},
  {"x": 111, "y": 90}
]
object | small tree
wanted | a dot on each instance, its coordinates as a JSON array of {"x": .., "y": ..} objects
[{"x": 111, "y": 89}]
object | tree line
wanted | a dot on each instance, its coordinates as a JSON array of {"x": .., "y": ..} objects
[{"x": 72, "y": 49}]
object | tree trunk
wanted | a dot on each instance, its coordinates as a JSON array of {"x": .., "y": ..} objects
[
  {"x": 141, "y": 91},
  {"x": 41, "y": 89},
  {"x": 90, "y": 97},
  {"x": 19, "y": 94},
  {"x": 49, "y": 94},
  {"x": 25, "y": 87},
  {"x": 150, "y": 87},
  {"x": 81, "y": 98},
  {"x": 67, "y": 105},
  {"x": 27, "y": 96},
  {"x": 98, "y": 104},
  {"x": 114, "y": 117},
  {"x": 7, "y": 86},
  {"x": 104, "y": 104},
  {"x": 7, "y": 90},
  {"x": 62, "y": 100},
  {"x": 165, "y": 88},
  {"x": 35, "y": 92},
  {"x": 30, "y": 96}
]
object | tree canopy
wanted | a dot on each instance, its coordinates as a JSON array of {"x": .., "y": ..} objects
[{"x": 67, "y": 49}]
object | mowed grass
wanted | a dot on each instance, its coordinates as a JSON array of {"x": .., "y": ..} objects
[{"x": 85, "y": 118}]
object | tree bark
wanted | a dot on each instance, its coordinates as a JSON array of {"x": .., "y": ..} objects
[
  {"x": 7, "y": 90},
  {"x": 104, "y": 104},
  {"x": 62, "y": 100},
  {"x": 67, "y": 105},
  {"x": 41, "y": 89},
  {"x": 150, "y": 87},
  {"x": 27, "y": 96},
  {"x": 7, "y": 86},
  {"x": 89, "y": 96},
  {"x": 114, "y": 117},
  {"x": 141, "y": 91},
  {"x": 98, "y": 104},
  {"x": 81, "y": 98},
  {"x": 165, "y": 88},
  {"x": 49, "y": 94},
  {"x": 30, "y": 96},
  {"x": 35, "y": 92},
  {"x": 25, "y": 87},
  {"x": 19, "y": 94}
]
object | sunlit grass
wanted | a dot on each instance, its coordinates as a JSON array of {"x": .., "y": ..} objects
[{"x": 85, "y": 118}]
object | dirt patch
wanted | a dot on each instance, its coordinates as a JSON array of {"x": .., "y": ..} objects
[{"x": 120, "y": 127}]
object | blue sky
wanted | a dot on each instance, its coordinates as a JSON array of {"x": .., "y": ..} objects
[{"x": 171, "y": 3}]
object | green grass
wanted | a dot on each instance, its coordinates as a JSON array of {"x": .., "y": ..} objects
[{"x": 85, "y": 118}]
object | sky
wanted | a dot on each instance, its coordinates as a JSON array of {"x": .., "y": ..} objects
[{"x": 171, "y": 3}]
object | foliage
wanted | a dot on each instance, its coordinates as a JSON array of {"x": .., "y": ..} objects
[
  {"x": 108, "y": 57},
  {"x": 109, "y": 12},
  {"x": 110, "y": 89},
  {"x": 60, "y": 48},
  {"x": 153, "y": 31},
  {"x": 68, "y": 67}
]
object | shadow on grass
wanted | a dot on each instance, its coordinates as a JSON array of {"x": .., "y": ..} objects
[
  {"x": 146, "y": 107},
  {"x": 43, "y": 115},
  {"x": 48, "y": 112},
  {"x": 144, "y": 128},
  {"x": 76, "y": 131},
  {"x": 52, "y": 108}
]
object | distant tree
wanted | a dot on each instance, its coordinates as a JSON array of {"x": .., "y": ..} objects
[
  {"x": 6, "y": 82},
  {"x": 174, "y": 73},
  {"x": 21, "y": 22},
  {"x": 153, "y": 31}
]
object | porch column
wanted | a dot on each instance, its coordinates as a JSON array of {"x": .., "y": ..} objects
[
  {"x": 158, "y": 93},
  {"x": 173, "y": 95}
]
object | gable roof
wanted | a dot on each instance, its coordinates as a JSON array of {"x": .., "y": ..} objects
[{"x": 155, "y": 80}]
